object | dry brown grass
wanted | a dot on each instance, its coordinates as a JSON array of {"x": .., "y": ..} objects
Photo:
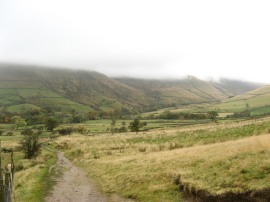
[{"x": 146, "y": 171}]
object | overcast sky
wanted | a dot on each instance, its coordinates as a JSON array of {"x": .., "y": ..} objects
[{"x": 142, "y": 38}]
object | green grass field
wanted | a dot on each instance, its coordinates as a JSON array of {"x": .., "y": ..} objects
[{"x": 20, "y": 100}]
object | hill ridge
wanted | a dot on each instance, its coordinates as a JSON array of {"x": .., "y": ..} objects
[{"x": 93, "y": 91}]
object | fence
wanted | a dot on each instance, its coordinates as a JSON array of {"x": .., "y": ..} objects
[{"x": 6, "y": 177}]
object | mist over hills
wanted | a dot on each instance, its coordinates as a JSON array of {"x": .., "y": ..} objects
[
  {"x": 237, "y": 87},
  {"x": 30, "y": 87}
]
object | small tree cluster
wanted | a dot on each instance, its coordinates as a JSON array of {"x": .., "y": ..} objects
[
  {"x": 136, "y": 124},
  {"x": 18, "y": 122},
  {"x": 212, "y": 115},
  {"x": 51, "y": 123},
  {"x": 30, "y": 144}
]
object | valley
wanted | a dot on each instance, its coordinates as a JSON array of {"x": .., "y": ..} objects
[{"x": 139, "y": 139}]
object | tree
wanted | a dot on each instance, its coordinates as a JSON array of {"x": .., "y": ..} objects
[
  {"x": 51, "y": 123},
  {"x": 113, "y": 125},
  {"x": 212, "y": 115},
  {"x": 123, "y": 128},
  {"x": 18, "y": 122},
  {"x": 30, "y": 144},
  {"x": 92, "y": 115},
  {"x": 136, "y": 124}
]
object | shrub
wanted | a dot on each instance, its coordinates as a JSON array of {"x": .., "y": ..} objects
[
  {"x": 30, "y": 144},
  {"x": 1, "y": 132},
  {"x": 51, "y": 123},
  {"x": 19, "y": 167},
  {"x": 65, "y": 131},
  {"x": 142, "y": 149},
  {"x": 27, "y": 132},
  {"x": 81, "y": 130},
  {"x": 136, "y": 124},
  {"x": 9, "y": 133},
  {"x": 38, "y": 127}
]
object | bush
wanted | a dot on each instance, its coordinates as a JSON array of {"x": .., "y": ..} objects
[
  {"x": 65, "y": 131},
  {"x": 30, "y": 144},
  {"x": 81, "y": 130},
  {"x": 142, "y": 149},
  {"x": 136, "y": 124},
  {"x": 38, "y": 127},
  {"x": 51, "y": 123},
  {"x": 27, "y": 132},
  {"x": 19, "y": 167},
  {"x": 1, "y": 132},
  {"x": 9, "y": 133}
]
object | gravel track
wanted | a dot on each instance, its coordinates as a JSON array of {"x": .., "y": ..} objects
[{"x": 73, "y": 185}]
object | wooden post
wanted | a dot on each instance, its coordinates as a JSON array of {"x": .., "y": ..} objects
[{"x": 2, "y": 186}]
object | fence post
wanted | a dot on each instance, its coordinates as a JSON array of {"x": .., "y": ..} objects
[
  {"x": 2, "y": 187},
  {"x": 6, "y": 179}
]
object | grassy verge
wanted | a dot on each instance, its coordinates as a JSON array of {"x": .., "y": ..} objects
[
  {"x": 33, "y": 180},
  {"x": 217, "y": 158}
]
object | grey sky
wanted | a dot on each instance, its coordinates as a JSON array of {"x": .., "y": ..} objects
[{"x": 142, "y": 38}]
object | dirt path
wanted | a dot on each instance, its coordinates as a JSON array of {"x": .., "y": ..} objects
[{"x": 74, "y": 185}]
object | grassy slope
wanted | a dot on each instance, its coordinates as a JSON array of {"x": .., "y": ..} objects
[
  {"x": 91, "y": 88},
  {"x": 21, "y": 99},
  {"x": 257, "y": 101},
  {"x": 218, "y": 158},
  {"x": 77, "y": 90},
  {"x": 83, "y": 91},
  {"x": 184, "y": 91},
  {"x": 237, "y": 87}
]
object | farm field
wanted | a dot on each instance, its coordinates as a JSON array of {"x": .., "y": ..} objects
[
  {"x": 214, "y": 159},
  {"x": 103, "y": 126}
]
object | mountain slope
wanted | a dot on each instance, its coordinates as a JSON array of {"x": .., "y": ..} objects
[
  {"x": 22, "y": 90},
  {"x": 257, "y": 101},
  {"x": 29, "y": 87},
  {"x": 64, "y": 88},
  {"x": 237, "y": 87},
  {"x": 182, "y": 91}
]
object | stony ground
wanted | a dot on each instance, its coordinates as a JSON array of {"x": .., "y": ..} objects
[{"x": 74, "y": 185}]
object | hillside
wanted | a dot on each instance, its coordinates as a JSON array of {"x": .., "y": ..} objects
[
  {"x": 257, "y": 101},
  {"x": 237, "y": 87},
  {"x": 23, "y": 88},
  {"x": 178, "y": 92}
]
